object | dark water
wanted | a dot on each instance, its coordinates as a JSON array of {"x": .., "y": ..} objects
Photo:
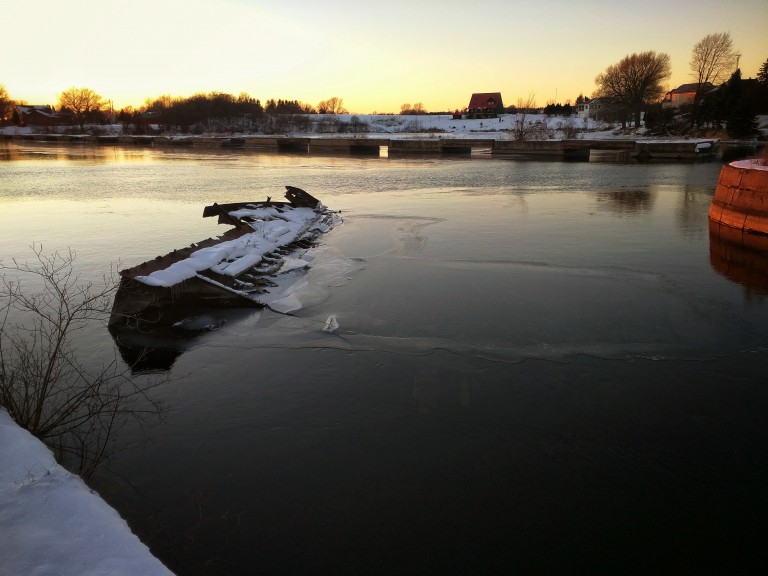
[{"x": 540, "y": 368}]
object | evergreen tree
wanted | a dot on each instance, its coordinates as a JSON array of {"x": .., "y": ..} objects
[
  {"x": 762, "y": 74},
  {"x": 740, "y": 120}
]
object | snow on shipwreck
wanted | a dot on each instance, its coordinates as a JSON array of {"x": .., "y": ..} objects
[{"x": 249, "y": 265}]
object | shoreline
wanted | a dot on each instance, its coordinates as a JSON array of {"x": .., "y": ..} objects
[
  {"x": 52, "y": 521},
  {"x": 419, "y": 144}
]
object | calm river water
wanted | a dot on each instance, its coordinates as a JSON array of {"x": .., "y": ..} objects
[{"x": 540, "y": 367}]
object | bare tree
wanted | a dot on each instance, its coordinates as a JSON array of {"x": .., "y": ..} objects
[
  {"x": 81, "y": 102},
  {"x": 44, "y": 385},
  {"x": 160, "y": 103},
  {"x": 6, "y": 104},
  {"x": 713, "y": 59},
  {"x": 334, "y": 105},
  {"x": 417, "y": 108},
  {"x": 523, "y": 129},
  {"x": 634, "y": 82}
]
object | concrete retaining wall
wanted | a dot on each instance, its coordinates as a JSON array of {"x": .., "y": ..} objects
[
  {"x": 669, "y": 150},
  {"x": 415, "y": 147},
  {"x": 530, "y": 147},
  {"x": 558, "y": 149}
]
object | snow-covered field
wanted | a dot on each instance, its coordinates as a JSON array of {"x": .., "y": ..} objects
[
  {"x": 417, "y": 126},
  {"x": 382, "y": 125},
  {"x": 51, "y": 523}
]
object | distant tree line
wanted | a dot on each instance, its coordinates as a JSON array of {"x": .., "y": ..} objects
[
  {"x": 629, "y": 91},
  {"x": 196, "y": 113},
  {"x": 221, "y": 111},
  {"x": 558, "y": 109},
  {"x": 205, "y": 110},
  {"x": 287, "y": 107},
  {"x": 417, "y": 108}
]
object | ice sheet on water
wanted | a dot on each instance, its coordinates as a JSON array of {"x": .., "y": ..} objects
[
  {"x": 200, "y": 323},
  {"x": 331, "y": 324},
  {"x": 307, "y": 279}
]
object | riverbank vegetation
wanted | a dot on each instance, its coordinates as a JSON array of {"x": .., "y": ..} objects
[{"x": 46, "y": 385}]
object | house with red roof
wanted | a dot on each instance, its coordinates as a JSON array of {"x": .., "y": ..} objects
[{"x": 485, "y": 105}]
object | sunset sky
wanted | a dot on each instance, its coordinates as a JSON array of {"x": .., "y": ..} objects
[{"x": 374, "y": 55}]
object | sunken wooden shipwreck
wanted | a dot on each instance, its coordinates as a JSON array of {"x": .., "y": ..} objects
[{"x": 237, "y": 269}]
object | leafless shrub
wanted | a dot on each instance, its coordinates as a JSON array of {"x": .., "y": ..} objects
[
  {"x": 358, "y": 126},
  {"x": 328, "y": 124},
  {"x": 569, "y": 129},
  {"x": 411, "y": 126},
  {"x": 45, "y": 386},
  {"x": 522, "y": 127}
]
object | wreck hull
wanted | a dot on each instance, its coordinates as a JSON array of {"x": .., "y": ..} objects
[
  {"x": 162, "y": 304},
  {"x": 138, "y": 304}
]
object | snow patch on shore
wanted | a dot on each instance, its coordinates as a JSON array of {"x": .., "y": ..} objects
[{"x": 51, "y": 522}]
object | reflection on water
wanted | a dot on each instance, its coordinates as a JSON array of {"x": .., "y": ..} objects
[
  {"x": 149, "y": 348},
  {"x": 75, "y": 152},
  {"x": 692, "y": 201},
  {"x": 742, "y": 258},
  {"x": 626, "y": 202}
]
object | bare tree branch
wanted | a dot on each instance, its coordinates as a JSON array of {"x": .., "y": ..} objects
[
  {"x": 44, "y": 385},
  {"x": 635, "y": 81},
  {"x": 81, "y": 102},
  {"x": 713, "y": 59}
]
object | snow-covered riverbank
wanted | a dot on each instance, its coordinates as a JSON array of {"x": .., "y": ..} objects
[
  {"x": 52, "y": 524},
  {"x": 504, "y": 127}
]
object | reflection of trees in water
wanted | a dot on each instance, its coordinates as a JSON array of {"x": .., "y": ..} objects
[
  {"x": 691, "y": 214},
  {"x": 8, "y": 152},
  {"x": 629, "y": 201},
  {"x": 31, "y": 150}
]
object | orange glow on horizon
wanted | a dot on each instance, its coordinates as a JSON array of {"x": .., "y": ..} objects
[{"x": 375, "y": 60}]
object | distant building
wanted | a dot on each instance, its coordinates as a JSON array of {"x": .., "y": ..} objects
[
  {"x": 37, "y": 116},
  {"x": 684, "y": 95},
  {"x": 485, "y": 105},
  {"x": 594, "y": 108},
  {"x": 41, "y": 115},
  {"x": 150, "y": 118}
]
